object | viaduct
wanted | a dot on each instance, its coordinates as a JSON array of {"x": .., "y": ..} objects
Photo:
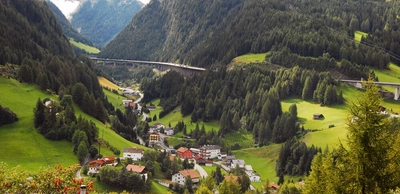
[
  {"x": 185, "y": 70},
  {"x": 358, "y": 84}
]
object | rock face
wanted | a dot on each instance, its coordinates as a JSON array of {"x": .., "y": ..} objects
[{"x": 101, "y": 20}]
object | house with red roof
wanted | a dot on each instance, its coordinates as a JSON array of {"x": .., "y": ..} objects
[
  {"x": 183, "y": 152},
  {"x": 139, "y": 169},
  {"x": 180, "y": 177},
  {"x": 95, "y": 165}
]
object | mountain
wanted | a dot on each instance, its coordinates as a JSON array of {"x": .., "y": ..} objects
[
  {"x": 101, "y": 20},
  {"x": 201, "y": 33},
  {"x": 36, "y": 51},
  {"x": 68, "y": 29}
]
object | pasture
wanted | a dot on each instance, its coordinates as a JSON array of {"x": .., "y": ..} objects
[
  {"x": 106, "y": 83},
  {"x": 87, "y": 48},
  {"x": 21, "y": 143},
  {"x": 251, "y": 57}
]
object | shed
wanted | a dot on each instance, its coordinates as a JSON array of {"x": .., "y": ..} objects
[{"x": 318, "y": 116}]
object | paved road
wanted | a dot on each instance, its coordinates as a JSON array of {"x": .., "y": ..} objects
[{"x": 201, "y": 170}]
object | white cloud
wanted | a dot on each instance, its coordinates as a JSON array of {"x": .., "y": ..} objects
[
  {"x": 145, "y": 1},
  {"x": 67, "y": 7}
]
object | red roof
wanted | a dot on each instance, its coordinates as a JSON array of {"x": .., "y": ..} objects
[
  {"x": 98, "y": 162},
  {"x": 191, "y": 173},
  {"x": 135, "y": 168},
  {"x": 182, "y": 149}
]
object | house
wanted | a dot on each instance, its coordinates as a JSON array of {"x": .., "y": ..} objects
[
  {"x": 209, "y": 162},
  {"x": 158, "y": 125},
  {"x": 222, "y": 155},
  {"x": 151, "y": 107},
  {"x": 130, "y": 104},
  {"x": 154, "y": 137},
  {"x": 254, "y": 177},
  {"x": 126, "y": 102},
  {"x": 134, "y": 153},
  {"x": 318, "y": 116},
  {"x": 228, "y": 159},
  {"x": 95, "y": 165},
  {"x": 183, "y": 152},
  {"x": 169, "y": 131},
  {"x": 165, "y": 183},
  {"x": 210, "y": 151},
  {"x": 240, "y": 163},
  {"x": 200, "y": 160},
  {"x": 195, "y": 151},
  {"x": 181, "y": 176},
  {"x": 142, "y": 170}
]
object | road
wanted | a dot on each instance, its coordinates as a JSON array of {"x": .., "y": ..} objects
[
  {"x": 144, "y": 117},
  {"x": 201, "y": 170}
]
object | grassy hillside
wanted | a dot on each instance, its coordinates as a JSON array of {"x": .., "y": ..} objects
[
  {"x": 251, "y": 57},
  {"x": 106, "y": 83},
  {"x": 22, "y": 145},
  {"x": 87, "y": 48}
]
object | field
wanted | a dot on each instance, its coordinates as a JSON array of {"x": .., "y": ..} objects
[
  {"x": 248, "y": 58},
  {"x": 242, "y": 137},
  {"x": 115, "y": 99},
  {"x": 21, "y": 144},
  {"x": 358, "y": 35},
  {"x": 106, "y": 83},
  {"x": 175, "y": 116},
  {"x": 87, "y": 48}
]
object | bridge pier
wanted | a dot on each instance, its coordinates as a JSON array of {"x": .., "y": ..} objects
[{"x": 396, "y": 93}]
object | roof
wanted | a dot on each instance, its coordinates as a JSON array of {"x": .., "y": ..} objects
[
  {"x": 133, "y": 150},
  {"x": 135, "y": 168},
  {"x": 99, "y": 162},
  {"x": 211, "y": 147},
  {"x": 230, "y": 157},
  {"x": 172, "y": 158},
  {"x": 248, "y": 168},
  {"x": 108, "y": 159},
  {"x": 182, "y": 149},
  {"x": 273, "y": 185},
  {"x": 191, "y": 173},
  {"x": 169, "y": 129},
  {"x": 239, "y": 162}
]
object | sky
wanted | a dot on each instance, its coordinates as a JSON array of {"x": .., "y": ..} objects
[{"x": 68, "y": 7}]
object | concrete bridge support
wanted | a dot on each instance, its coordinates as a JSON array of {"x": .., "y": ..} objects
[{"x": 396, "y": 93}]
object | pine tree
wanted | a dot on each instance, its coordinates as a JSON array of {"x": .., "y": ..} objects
[
  {"x": 82, "y": 152},
  {"x": 40, "y": 116}
]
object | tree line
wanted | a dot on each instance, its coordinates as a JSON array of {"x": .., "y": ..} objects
[{"x": 244, "y": 98}]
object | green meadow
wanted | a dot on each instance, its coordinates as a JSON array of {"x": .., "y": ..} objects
[
  {"x": 251, "y": 57},
  {"x": 358, "y": 35},
  {"x": 115, "y": 99},
  {"x": 87, "y": 48},
  {"x": 23, "y": 145}
]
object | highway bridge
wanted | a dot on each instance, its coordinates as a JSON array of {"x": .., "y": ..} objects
[
  {"x": 358, "y": 84},
  {"x": 162, "y": 66}
]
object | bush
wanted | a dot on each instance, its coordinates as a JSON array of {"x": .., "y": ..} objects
[{"x": 331, "y": 125}]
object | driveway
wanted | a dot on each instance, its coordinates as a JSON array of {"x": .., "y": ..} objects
[{"x": 201, "y": 170}]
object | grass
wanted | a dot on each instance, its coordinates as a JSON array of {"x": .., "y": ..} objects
[
  {"x": 242, "y": 137},
  {"x": 173, "y": 141},
  {"x": 87, "y": 48},
  {"x": 210, "y": 169},
  {"x": 390, "y": 75},
  {"x": 249, "y": 58},
  {"x": 106, "y": 83},
  {"x": 358, "y": 35},
  {"x": 175, "y": 116},
  {"x": 21, "y": 143},
  {"x": 157, "y": 188},
  {"x": 262, "y": 160},
  {"x": 115, "y": 99}
]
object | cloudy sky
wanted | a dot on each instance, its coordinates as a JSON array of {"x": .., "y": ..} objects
[{"x": 69, "y": 6}]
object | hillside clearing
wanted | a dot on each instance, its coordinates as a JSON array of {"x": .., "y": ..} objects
[
  {"x": 358, "y": 35},
  {"x": 87, "y": 48},
  {"x": 107, "y": 83}
]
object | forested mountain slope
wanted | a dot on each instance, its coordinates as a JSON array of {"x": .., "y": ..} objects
[
  {"x": 202, "y": 33},
  {"x": 68, "y": 29},
  {"x": 101, "y": 20}
]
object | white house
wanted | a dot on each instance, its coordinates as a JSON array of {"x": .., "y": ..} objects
[
  {"x": 210, "y": 151},
  {"x": 240, "y": 163},
  {"x": 169, "y": 131},
  {"x": 181, "y": 176},
  {"x": 126, "y": 102},
  {"x": 254, "y": 177},
  {"x": 134, "y": 153},
  {"x": 95, "y": 165}
]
